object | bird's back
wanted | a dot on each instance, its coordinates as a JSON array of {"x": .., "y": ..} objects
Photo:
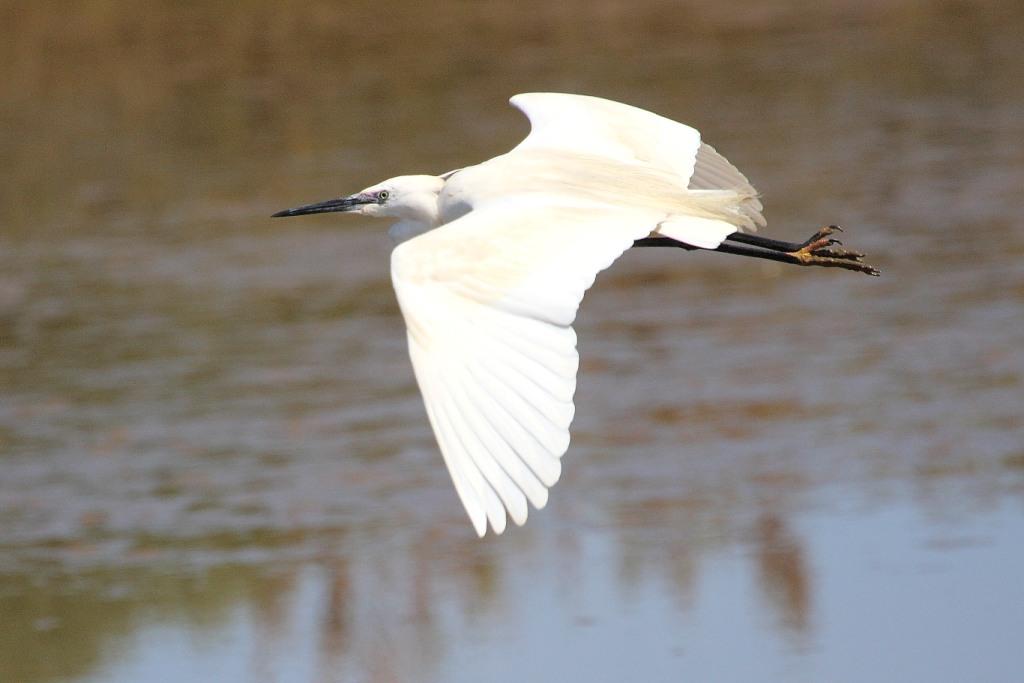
[{"x": 584, "y": 179}]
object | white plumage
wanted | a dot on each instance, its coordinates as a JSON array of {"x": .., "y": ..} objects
[{"x": 496, "y": 259}]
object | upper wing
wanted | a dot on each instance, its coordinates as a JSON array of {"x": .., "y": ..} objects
[
  {"x": 595, "y": 126},
  {"x": 489, "y": 302},
  {"x": 591, "y": 125}
]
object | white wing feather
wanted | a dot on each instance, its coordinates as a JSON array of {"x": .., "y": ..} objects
[
  {"x": 712, "y": 171},
  {"x": 489, "y": 300},
  {"x": 595, "y": 126}
]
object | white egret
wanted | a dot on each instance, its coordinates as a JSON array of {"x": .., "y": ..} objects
[{"x": 494, "y": 260}]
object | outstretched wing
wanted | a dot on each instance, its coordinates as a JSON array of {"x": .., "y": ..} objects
[
  {"x": 489, "y": 302},
  {"x": 595, "y": 126}
]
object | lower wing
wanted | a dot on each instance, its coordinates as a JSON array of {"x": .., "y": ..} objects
[{"x": 489, "y": 301}]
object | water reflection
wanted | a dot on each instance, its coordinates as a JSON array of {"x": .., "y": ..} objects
[
  {"x": 214, "y": 462},
  {"x": 783, "y": 572},
  {"x": 428, "y": 608}
]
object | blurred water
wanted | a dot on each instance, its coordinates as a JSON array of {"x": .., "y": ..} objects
[{"x": 214, "y": 464}]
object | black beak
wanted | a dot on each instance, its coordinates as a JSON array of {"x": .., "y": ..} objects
[{"x": 331, "y": 205}]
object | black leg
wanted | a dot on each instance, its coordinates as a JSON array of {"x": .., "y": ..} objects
[
  {"x": 722, "y": 248},
  {"x": 816, "y": 251},
  {"x": 818, "y": 240},
  {"x": 663, "y": 242},
  {"x": 763, "y": 242}
]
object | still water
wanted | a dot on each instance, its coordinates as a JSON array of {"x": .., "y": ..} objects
[{"x": 214, "y": 464}]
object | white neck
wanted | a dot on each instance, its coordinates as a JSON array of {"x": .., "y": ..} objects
[{"x": 408, "y": 228}]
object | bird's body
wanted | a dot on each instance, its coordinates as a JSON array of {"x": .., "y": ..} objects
[{"x": 493, "y": 262}]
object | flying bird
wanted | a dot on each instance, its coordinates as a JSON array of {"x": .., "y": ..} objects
[{"x": 492, "y": 262}]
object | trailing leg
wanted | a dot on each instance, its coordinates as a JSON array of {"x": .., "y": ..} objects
[{"x": 820, "y": 249}]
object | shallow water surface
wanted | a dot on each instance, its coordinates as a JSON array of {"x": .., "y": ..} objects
[{"x": 215, "y": 466}]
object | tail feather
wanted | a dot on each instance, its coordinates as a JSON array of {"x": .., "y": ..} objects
[{"x": 712, "y": 171}]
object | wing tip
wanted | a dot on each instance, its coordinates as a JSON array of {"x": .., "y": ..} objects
[
  {"x": 479, "y": 528},
  {"x": 499, "y": 521},
  {"x": 518, "y": 517}
]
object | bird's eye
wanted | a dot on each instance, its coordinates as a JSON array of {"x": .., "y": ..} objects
[{"x": 383, "y": 195}]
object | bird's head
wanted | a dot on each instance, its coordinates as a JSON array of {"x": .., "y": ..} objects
[{"x": 407, "y": 197}]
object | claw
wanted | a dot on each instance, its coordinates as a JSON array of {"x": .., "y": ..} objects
[
  {"x": 818, "y": 251},
  {"x": 821, "y": 238},
  {"x": 845, "y": 263},
  {"x": 838, "y": 253}
]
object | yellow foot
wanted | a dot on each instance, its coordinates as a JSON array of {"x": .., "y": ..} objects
[{"x": 821, "y": 249}]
